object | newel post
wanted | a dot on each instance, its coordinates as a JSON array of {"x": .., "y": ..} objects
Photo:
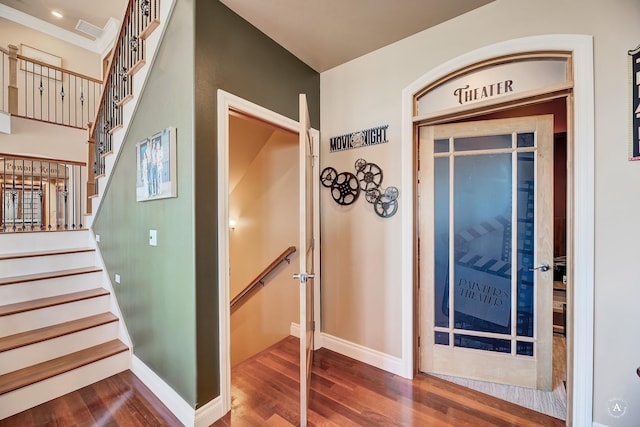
[
  {"x": 91, "y": 168},
  {"x": 13, "y": 79}
]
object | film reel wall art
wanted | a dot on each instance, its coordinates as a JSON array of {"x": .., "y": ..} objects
[{"x": 346, "y": 187}]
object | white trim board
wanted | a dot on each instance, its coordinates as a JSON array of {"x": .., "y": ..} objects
[
  {"x": 358, "y": 352},
  {"x": 581, "y": 47},
  {"x": 187, "y": 415}
]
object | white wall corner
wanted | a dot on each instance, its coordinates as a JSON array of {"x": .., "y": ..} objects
[
  {"x": 108, "y": 37},
  {"x": 5, "y": 122}
]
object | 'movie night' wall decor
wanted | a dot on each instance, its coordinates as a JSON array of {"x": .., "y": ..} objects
[{"x": 346, "y": 187}]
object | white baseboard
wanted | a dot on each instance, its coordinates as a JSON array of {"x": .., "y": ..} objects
[
  {"x": 188, "y": 416},
  {"x": 294, "y": 330},
  {"x": 355, "y": 351},
  {"x": 172, "y": 400},
  {"x": 209, "y": 413}
]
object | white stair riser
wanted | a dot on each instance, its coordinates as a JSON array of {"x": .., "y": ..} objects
[
  {"x": 32, "y": 242},
  {"x": 36, "y": 319},
  {"x": 27, "y": 291},
  {"x": 19, "y": 358},
  {"x": 42, "y": 264},
  {"x": 43, "y": 391}
]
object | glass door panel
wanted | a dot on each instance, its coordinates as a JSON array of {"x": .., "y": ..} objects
[{"x": 488, "y": 191}]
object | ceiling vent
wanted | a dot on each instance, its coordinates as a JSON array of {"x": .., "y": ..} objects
[{"x": 88, "y": 28}]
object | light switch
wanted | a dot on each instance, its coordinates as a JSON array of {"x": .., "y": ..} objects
[
  {"x": 153, "y": 237},
  {"x": 97, "y": 238},
  {"x": 117, "y": 278}
]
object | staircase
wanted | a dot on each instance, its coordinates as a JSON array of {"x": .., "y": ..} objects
[
  {"x": 58, "y": 330},
  {"x": 60, "y": 327}
]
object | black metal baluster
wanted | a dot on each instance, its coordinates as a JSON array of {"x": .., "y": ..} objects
[
  {"x": 49, "y": 197},
  {"x": 41, "y": 89},
  {"x": 31, "y": 195},
  {"x": 4, "y": 193},
  {"x": 48, "y": 96},
  {"x": 65, "y": 195},
  {"x": 62, "y": 102},
  {"x": 21, "y": 201},
  {"x": 82, "y": 103},
  {"x": 82, "y": 202},
  {"x": 14, "y": 197}
]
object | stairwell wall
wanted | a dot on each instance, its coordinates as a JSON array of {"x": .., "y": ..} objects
[
  {"x": 157, "y": 293},
  {"x": 232, "y": 55}
]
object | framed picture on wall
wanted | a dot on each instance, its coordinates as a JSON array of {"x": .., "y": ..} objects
[{"x": 156, "y": 166}]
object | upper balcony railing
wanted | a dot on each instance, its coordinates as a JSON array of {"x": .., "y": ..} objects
[
  {"x": 41, "y": 194},
  {"x": 45, "y": 92}
]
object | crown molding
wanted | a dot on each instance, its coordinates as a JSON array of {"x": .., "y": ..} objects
[{"x": 99, "y": 46}]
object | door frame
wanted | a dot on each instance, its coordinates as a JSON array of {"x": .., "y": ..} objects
[
  {"x": 581, "y": 205},
  {"x": 226, "y": 103}
]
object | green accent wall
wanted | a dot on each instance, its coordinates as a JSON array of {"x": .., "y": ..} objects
[
  {"x": 169, "y": 293},
  {"x": 232, "y": 55},
  {"x": 157, "y": 292}
]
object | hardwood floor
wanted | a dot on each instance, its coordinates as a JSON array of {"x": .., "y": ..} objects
[
  {"x": 345, "y": 392},
  {"x": 121, "y": 400},
  {"x": 265, "y": 393}
]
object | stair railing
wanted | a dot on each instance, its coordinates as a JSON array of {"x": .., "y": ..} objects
[
  {"x": 127, "y": 56},
  {"x": 259, "y": 280},
  {"x": 40, "y": 194},
  {"x": 45, "y": 92}
]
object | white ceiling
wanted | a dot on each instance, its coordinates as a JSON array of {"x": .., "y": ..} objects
[
  {"x": 322, "y": 33},
  {"x": 96, "y": 12}
]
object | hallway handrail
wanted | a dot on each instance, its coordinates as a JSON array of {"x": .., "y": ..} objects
[{"x": 284, "y": 256}]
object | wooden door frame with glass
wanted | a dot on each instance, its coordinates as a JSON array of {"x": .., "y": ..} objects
[{"x": 487, "y": 186}]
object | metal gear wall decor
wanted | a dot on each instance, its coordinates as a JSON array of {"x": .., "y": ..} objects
[{"x": 346, "y": 187}]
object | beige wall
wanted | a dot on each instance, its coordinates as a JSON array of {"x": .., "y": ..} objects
[
  {"x": 265, "y": 203},
  {"x": 33, "y": 138},
  {"x": 360, "y": 251},
  {"x": 73, "y": 58}
]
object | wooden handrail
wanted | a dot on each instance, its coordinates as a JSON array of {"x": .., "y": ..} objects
[
  {"x": 284, "y": 256},
  {"x": 41, "y": 159},
  {"x": 62, "y": 70}
]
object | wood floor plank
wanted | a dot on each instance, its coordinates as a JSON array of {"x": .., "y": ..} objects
[
  {"x": 120, "y": 400},
  {"x": 344, "y": 393}
]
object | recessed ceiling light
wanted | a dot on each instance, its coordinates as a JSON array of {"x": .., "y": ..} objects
[{"x": 56, "y": 14}]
